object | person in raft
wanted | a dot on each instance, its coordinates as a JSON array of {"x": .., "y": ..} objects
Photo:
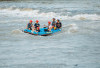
[
  {"x": 37, "y": 29},
  {"x": 58, "y": 24},
  {"x": 53, "y": 22},
  {"x": 49, "y": 26},
  {"x": 37, "y": 25},
  {"x": 29, "y": 25}
]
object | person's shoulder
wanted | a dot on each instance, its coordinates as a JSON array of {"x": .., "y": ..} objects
[{"x": 34, "y": 24}]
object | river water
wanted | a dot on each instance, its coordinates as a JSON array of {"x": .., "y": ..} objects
[{"x": 76, "y": 46}]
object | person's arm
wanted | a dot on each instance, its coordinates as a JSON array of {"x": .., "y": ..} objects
[
  {"x": 52, "y": 23},
  {"x": 35, "y": 24},
  {"x": 55, "y": 23},
  {"x": 32, "y": 25},
  {"x": 39, "y": 25},
  {"x": 61, "y": 24}
]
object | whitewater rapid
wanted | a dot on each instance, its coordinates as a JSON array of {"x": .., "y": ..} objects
[
  {"x": 28, "y": 12},
  {"x": 76, "y": 46}
]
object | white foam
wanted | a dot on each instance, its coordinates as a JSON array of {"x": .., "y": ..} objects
[
  {"x": 16, "y": 31},
  {"x": 73, "y": 28},
  {"x": 86, "y": 16},
  {"x": 36, "y": 14}
]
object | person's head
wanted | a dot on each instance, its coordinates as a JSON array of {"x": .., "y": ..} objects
[
  {"x": 37, "y": 28},
  {"x": 58, "y": 21},
  {"x": 30, "y": 21},
  {"x": 49, "y": 23},
  {"x": 54, "y": 19},
  {"x": 37, "y": 21}
]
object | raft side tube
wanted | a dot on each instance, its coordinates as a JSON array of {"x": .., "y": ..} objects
[{"x": 42, "y": 32}]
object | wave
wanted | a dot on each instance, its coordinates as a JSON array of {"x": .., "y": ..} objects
[
  {"x": 16, "y": 31},
  {"x": 70, "y": 28},
  {"x": 15, "y": 8},
  {"x": 73, "y": 28},
  {"x": 28, "y": 12}
]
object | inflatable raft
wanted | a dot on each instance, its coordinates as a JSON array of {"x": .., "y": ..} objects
[{"x": 42, "y": 32}]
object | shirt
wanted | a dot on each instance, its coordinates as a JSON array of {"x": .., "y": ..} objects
[
  {"x": 36, "y": 25},
  {"x": 58, "y": 25},
  {"x": 53, "y": 23}
]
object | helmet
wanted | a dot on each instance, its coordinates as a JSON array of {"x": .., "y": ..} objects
[
  {"x": 49, "y": 22},
  {"x": 31, "y": 21},
  {"x": 37, "y": 21}
]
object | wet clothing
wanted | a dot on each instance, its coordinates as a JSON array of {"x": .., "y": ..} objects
[
  {"x": 49, "y": 26},
  {"x": 58, "y": 25},
  {"x": 29, "y": 26},
  {"x": 54, "y": 23},
  {"x": 38, "y": 30},
  {"x": 36, "y": 25}
]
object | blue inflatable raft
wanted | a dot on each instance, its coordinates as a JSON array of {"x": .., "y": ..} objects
[{"x": 42, "y": 32}]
